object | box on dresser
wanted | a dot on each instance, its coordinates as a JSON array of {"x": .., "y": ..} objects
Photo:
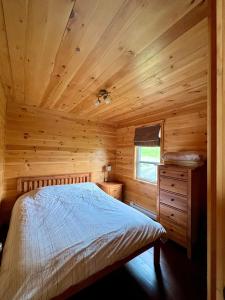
[{"x": 181, "y": 203}]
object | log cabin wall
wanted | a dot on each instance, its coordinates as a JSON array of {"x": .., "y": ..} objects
[
  {"x": 184, "y": 131},
  {"x": 2, "y": 138},
  {"x": 40, "y": 142}
]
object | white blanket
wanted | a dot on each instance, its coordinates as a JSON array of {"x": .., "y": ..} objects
[{"x": 60, "y": 235}]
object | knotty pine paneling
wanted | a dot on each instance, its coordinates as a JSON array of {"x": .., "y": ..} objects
[
  {"x": 186, "y": 131},
  {"x": 216, "y": 150},
  {"x": 150, "y": 55},
  {"x": 2, "y": 137},
  {"x": 43, "y": 143}
]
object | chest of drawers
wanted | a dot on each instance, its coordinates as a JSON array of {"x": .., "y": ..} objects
[{"x": 181, "y": 203}]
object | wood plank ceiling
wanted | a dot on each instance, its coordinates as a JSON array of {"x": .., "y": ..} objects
[{"x": 151, "y": 56}]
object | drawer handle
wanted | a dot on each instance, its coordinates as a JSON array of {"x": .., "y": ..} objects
[
  {"x": 172, "y": 184},
  {"x": 182, "y": 175},
  {"x": 172, "y": 215},
  {"x": 164, "y": 172},
  {"x": 172, "y": 199}
]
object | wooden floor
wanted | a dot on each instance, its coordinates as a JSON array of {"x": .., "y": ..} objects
[{"x": 177, "y": 279}]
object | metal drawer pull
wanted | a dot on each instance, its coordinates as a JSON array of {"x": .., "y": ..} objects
[
  {"x": 172, "y": 184},
  {"x": 172, "y": 199},
  {"x": 182, "y": 175},
  {"x": 172, "y": 215}
]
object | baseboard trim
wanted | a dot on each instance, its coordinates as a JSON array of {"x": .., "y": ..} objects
[{"x": 143, "y": 210}]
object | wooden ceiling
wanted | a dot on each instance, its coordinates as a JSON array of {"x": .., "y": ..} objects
[{"x": 150, "y": 54}]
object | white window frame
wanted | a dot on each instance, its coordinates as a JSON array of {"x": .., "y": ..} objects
[
  {"x": 136, "y": 162},
  {"x": 139, "y": 161}
]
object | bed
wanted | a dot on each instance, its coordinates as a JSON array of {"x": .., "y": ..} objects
[{"x": 65, "y": 233}]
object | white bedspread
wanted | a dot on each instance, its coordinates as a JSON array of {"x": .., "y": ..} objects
[{"x": 60, "y": 235}]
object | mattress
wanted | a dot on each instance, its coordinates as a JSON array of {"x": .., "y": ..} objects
[{"x": 61, "y": 235}]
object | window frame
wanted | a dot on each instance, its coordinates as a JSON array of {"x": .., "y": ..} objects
[
  {"x": 161, "y": 123},
  {"x": 139, "y": 161}
]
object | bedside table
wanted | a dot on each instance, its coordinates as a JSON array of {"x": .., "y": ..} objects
[{"x": 114, "y": 189}]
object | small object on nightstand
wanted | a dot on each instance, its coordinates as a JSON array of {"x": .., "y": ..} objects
[{"x": 114, "y": 189}]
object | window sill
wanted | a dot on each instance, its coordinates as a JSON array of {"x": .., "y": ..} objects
[{"x": 148, "y": 182}]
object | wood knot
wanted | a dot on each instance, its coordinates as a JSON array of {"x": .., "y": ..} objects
[
  {"x": 130, "y": 52},
  {"x": 26, "y": 135}
]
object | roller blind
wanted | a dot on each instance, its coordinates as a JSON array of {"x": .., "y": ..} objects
[{"x": 147, "y": 136}]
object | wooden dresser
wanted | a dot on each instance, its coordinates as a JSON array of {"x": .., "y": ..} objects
[
  {"x": 181, "y": 203},
  {"x": 114, "y": 189}
]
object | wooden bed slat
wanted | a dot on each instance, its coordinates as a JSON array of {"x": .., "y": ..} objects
[{"x": 25, "y": 184}]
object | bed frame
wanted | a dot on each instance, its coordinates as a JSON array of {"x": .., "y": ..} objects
[
  {"x": 92, "y": 279},
  {"x": 25, "y": 184}
]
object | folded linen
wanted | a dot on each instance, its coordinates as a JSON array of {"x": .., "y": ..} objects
[{"x": 189, "y": 158}]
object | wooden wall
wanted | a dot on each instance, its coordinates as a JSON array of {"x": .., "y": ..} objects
[
  {"x": 216, "y": 152},
  {"x": 2, "y": 137},
  {"x": 220, "y": 205},
  {"x": 39, "y": 142},
  {"x": 185, "y": 131}
]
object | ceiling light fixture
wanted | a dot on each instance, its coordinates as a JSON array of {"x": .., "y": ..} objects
[{"x": 103, "y": 97}]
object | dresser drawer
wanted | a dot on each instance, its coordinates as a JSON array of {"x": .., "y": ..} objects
[
  {"x": 173, "y": 185},
  {"x": 173, "y": 200},
  {"x": 113, "y": 189},
  {"x": 173, "y": 215},
  {"x": 175, "y": 232},
  {"x": 116, "y": 194},
  {"x": 105, "y": 189},
  {"x": 174, "y": 173}
]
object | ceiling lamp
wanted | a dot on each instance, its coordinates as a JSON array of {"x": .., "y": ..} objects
[{"x": 103, "y": 97}]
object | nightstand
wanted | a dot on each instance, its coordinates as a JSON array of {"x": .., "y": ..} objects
[{"x": 114, "y": 189}]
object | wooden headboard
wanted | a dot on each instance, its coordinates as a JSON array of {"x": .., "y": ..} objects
[{"x": 26, "y": 184}]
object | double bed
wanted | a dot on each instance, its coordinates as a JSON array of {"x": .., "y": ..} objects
[{"x": 65, "y": 233}]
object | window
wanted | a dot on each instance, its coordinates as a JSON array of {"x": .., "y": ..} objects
[
  {"x": 147, "y": 143},
  {"x": 147, "y": 159}
]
